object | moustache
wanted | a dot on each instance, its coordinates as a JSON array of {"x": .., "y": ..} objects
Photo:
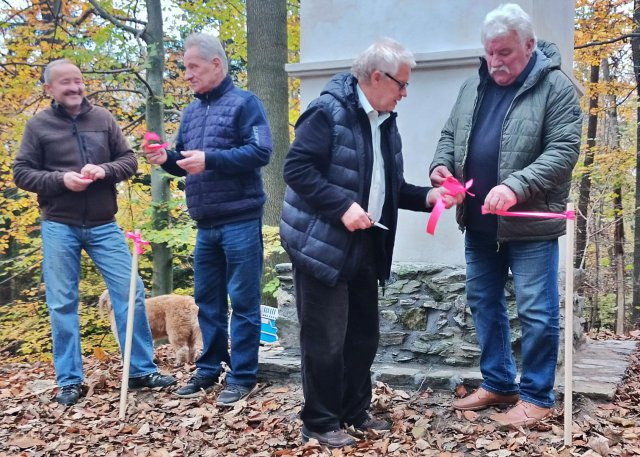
[
  {"x": 73, "y": 92},
  {"x": 501, "y": 68}
]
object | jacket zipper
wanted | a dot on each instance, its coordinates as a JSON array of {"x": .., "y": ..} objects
[
  {"x": 466, "y": 147},
  {"x": 83, "y": 161},
  {"x": 204, "y": 123},
  {"x": 522, "y": 90}
]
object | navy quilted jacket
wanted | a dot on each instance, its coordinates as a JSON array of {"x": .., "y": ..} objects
[
  {"x": 328, "y": 167},
  {"x": 230, "y": 125}
]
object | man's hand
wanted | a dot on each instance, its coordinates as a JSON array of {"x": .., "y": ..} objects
[
  {"x": 356, "y": 218},
  {"x": 193, "y": 161},
  {"x": 439, "y": 174},
  {"x": 440, "y": 192},
  {"x": 93, "y": 172},
  {"x": 155, "y": 156},
  {"x": 76, "y": 182},
  {"x": 500, "y": 198}
]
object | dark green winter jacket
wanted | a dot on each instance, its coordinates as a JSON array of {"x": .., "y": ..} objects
[{"x": 539, "y": 147}]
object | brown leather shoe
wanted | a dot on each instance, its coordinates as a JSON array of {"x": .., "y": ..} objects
[
  {"x": 481, "y": 399},
  {"x": 524, "y": 413}
]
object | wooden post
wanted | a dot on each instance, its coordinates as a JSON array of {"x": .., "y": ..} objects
[
  {"x": 129, "y": 334},
  {"x": 568, "y": 328}
]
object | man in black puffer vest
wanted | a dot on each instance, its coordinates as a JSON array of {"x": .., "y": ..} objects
[
  {"x": 223, "y": 142},
  {"x": 345, "y": 183}
]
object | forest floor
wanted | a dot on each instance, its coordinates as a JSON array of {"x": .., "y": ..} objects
[{"x": 159, "y": 424}]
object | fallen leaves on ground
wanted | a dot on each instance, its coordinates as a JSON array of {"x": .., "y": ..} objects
[{"x": 159, "y": 424}]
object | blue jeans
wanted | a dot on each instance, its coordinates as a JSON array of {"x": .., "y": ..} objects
[
  {"x": 228, "y": 262},
  {"x": 534, "y": 265},
  {"x": 62, "y": 246}
]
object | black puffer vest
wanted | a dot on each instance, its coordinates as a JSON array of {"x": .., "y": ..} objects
[{"x": 315, "y": 244}]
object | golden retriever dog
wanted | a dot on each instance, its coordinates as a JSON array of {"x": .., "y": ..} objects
[{"x": 172, "y": 316}]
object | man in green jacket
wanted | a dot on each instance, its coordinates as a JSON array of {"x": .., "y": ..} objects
[
  {"x": 72, "y": 155},
  {"x": 515, "y": 130}
]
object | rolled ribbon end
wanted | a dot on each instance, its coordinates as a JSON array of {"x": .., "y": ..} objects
[
  {"x": 454, "y": 187},
  {"x": 436, "y": 212},
  {"x": 570, "y": 215}
]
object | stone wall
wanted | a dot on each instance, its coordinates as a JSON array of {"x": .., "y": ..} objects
[{"x": 423, "y": 317}]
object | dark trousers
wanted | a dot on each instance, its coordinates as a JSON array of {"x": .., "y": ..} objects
[{"x": 339, "y": 333}]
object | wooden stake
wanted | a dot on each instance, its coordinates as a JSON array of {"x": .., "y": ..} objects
[
  {"x": 129, "y": 334},
  {"x": 568, "y": 330}
]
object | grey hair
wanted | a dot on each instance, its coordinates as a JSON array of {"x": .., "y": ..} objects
[
  {"x": 384, "y": 55},
  {"x": 209, "y": 47},
  {"x": 505, "y": 19},
  {"x": 50, "y": 66}
]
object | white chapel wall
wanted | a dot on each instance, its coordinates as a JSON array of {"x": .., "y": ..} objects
[{"x": 445, "y": 37}]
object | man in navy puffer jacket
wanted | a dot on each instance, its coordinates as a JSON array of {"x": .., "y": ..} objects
[
  {"x": 344, "y": 175},
  {"x": 223, "y": 142}
]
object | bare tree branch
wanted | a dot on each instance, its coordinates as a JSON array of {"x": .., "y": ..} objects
[
  {"x": 122, "y": 70},
  {"x": 133, "y": 123},
  {"x": 115, "y": 21},
  {"x": 172, "y": 112},
  {"x": 133, "y": 91},
  {"x": 612, "y": 40}
]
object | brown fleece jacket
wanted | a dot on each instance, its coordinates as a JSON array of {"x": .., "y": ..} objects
[{"x": 55, "y": 143}]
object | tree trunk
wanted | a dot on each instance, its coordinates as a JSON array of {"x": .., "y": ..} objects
[
  {"x": 266, "y": 56},
  {"x": 584, "y": 192},
  {"x": 162, "y": 282},
  {"x": 619, "y": 260},
  {"x": 612, "y": 140},
  {"x": 635, "y": 48},
  {"x": 596, "y": 322}
]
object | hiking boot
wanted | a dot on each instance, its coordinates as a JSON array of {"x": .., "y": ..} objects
[
  {"x": 69, "y": 395},
  {"x": 152, "y": 381},
  {"x": 373, "y": 423},
  {"x": 233, "y": 393},
  {"x": 197, "y": 385},
  {"x": 332, "y": 439}
]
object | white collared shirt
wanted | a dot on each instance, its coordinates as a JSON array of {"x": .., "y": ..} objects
[{"x": 378, "y": 188}]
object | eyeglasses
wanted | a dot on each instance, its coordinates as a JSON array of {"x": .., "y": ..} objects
[{"x": 400, "y": 84}]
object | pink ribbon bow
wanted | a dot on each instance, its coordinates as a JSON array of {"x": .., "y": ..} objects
[
  {"x": 564, "y": 215},
  {"x": 152, "y": 140},
  {"x": 454, "y": 188},
  {"x": 137, "y": 241}
]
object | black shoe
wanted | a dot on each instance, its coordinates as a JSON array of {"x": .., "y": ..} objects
[
  {"x": 196, "y": 385},
  {"x": 152, "y": 381},
  {"x": 373, "y": 423},
  {"x": 333, "y": 439},
  {"x": 234, "y": 393},
  {"x": 69, "y": 395}
]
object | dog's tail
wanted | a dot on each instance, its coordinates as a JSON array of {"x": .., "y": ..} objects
[{"x": 104, "y": 303}]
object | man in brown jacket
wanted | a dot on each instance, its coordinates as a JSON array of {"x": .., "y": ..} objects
[{"x": 72, "y": 155}]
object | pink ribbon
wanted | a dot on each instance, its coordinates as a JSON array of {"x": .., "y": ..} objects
[
  {"x": 564, "y": 215},
  {"x": 454, "y": 188},
  {"x": 137, "y": 241},
  {"x": 152, "y": 140}
]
